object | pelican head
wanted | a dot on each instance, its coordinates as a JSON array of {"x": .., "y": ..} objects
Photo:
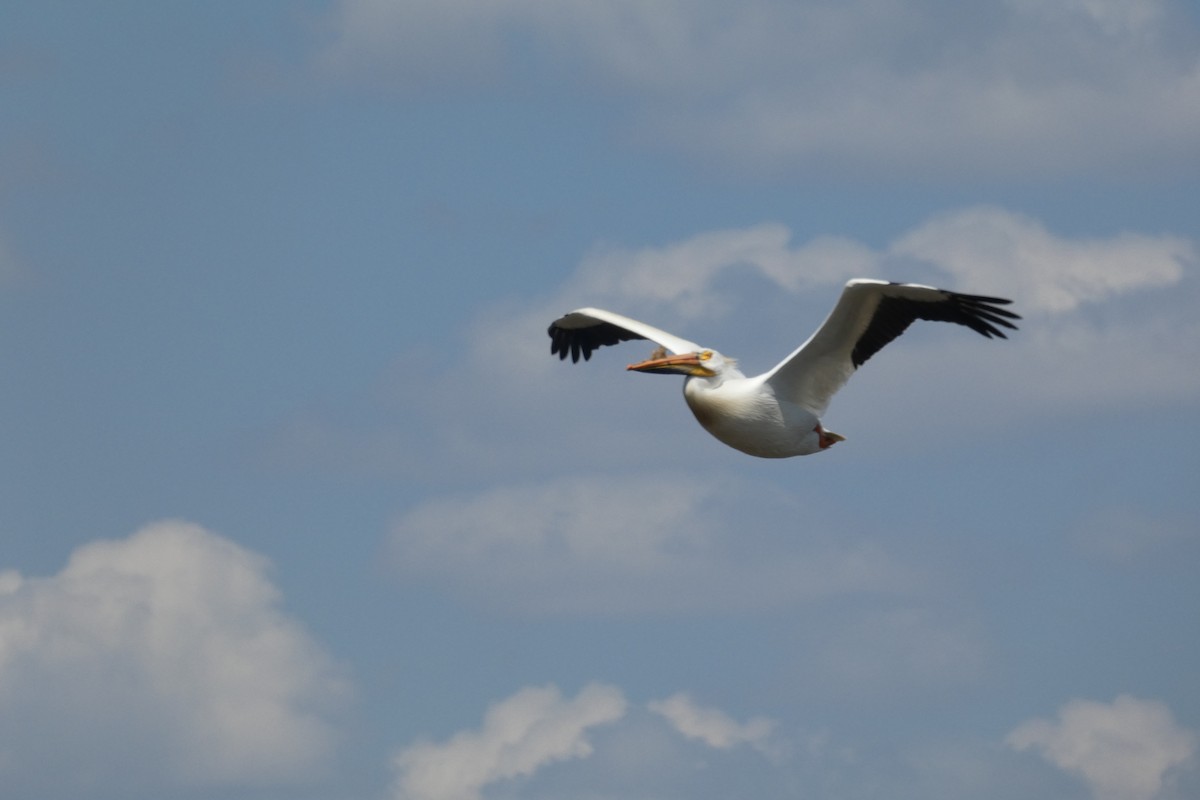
[{"x": 702, "y": 364}]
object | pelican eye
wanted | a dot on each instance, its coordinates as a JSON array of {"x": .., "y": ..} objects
[{"x": 705, "y": 355}]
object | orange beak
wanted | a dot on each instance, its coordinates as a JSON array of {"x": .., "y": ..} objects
[{"x": 686, "y": 364}]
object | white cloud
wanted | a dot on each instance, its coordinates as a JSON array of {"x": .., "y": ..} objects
[
  {"x": 537, "y": 743},
  {"x": 713, "y": 726},
  {"x": 1124, "y": 750},
  {"x": 1017, "y": 85},
  {"x": 520, "y": 735},
  {"x": 159, "y": 660},
  {"x": 992, "y": 247},
  {"x": 632, "y": 543},
  {"x": 683, "y": 274}
]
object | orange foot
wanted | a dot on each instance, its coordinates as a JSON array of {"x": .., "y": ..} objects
[{"x": 827, "y": 438}]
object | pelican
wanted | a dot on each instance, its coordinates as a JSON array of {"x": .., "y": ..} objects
[{"x": 778, "y": 414}]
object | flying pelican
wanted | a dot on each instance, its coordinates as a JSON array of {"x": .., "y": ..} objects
[{"x": 778, "y": 414}]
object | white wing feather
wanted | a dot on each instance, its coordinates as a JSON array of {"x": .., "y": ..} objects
[
  {"x": 815, "y": 370},
  {"x": 585, "y": 329},
  {"x": 868, "y": 315}
]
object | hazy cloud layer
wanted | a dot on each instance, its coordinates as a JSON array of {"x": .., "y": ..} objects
[
  {"x": 932, "y": 87},
  {"x": 1124, "y": 750},
  {"x": 643, "y": 542},
  {"x": 159, "y": 660}
]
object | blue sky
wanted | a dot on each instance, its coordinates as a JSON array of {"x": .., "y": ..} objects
[{"x": 295, "y": 503}]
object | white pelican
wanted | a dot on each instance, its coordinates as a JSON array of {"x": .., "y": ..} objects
[{"x": 778, "y": 414}]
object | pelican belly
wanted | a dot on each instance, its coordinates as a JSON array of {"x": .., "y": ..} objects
[{"x": 746, "y": 416}]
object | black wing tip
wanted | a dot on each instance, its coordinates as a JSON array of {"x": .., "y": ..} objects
[
  {"x": 583, "y": 341},
  {"x": 983, "y": 313},
  {"x": 562, "y": 344}
]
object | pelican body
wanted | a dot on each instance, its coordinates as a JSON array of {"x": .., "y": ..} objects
[
  {"x": 778, "y": 414},
  {"x": 745, "y": 413}
]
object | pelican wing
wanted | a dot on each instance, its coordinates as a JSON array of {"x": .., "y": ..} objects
[
  {"x": 585, "y": 329},
  {"x": 868, "y": 315}
]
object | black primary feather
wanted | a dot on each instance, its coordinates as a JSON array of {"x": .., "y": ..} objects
[
  {"x": 577, "y": 342},
  {"x": 894, "y": 314}
]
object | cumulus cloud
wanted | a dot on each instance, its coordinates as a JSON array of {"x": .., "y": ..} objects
[
  {"x": 519, "y": 735},
  {"x": 713, "y": 726},
  {"x": 1124, "y": 750},
  {"x": 1013, "y": 85},
  {"x": 159, "y": 660},
  {"x": 629, "y": 543}
]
